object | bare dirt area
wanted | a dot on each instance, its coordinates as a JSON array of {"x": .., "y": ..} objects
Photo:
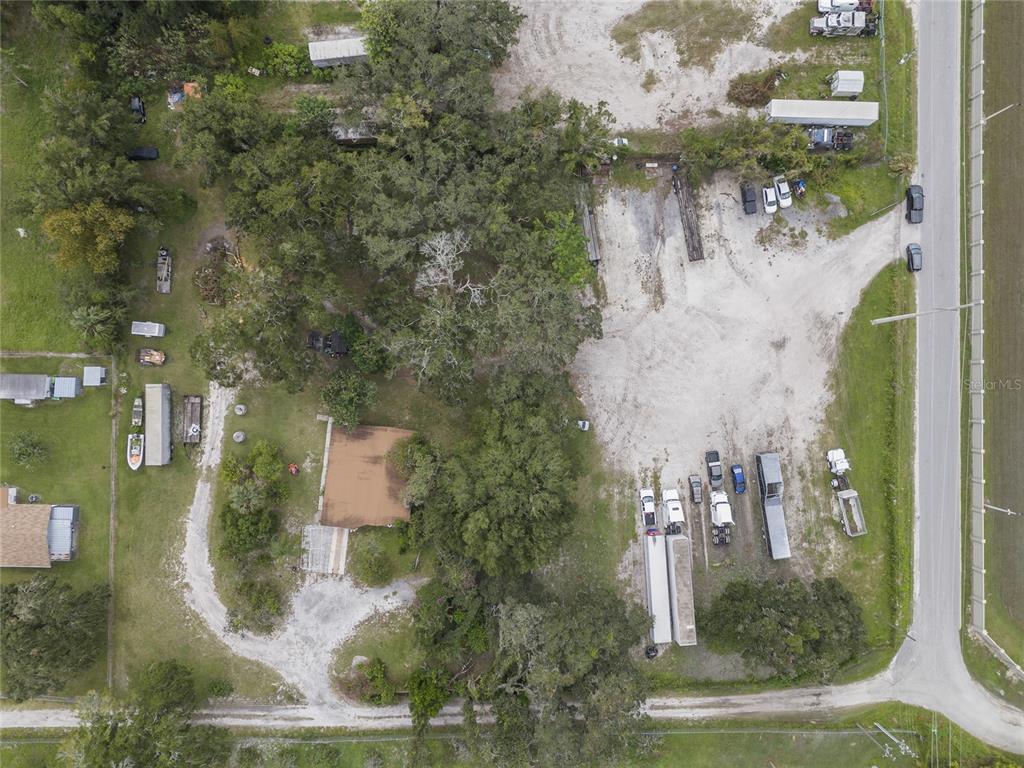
[
  {"x": 361, "y": 488},
  {"x": 568, "y": 47},
  {"x": 732, "y": 353}
]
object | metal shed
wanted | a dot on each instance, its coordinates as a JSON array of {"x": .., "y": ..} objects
[
  {"x": 158, "y": 425},
  {"x": 66, "y": 387},
  {"x": 847, "y": 82},
  {"x": 330, "y": 53},
  {"x": 147, "y": 329},
  {"x": 62, "y": 533},
  {"x": 24, "y": 388},
  {"x": 94, "y": 376}
]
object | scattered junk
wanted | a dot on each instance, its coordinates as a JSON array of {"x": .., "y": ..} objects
[
  {"x": 238, "y": 437},
  {"x": 769, "y": 481},
  {"x": 314, "y": 341},
  {"x": 846, "y": 83},
  {"x": 163, "y": 270},
  {"x": 158, "y": 425},
  {"x": 846, "y": 24},
  {"x": 137, "y": 412},
  {"x": 851, "y": 514},
  {"x": 148, "y": 329},
  {"x": 822, "y": 112},
  {"x": 253, "y": 71},
  {"x": 331, "y": 53},
  {"x": 799, "y": 187},
  {"x": 147, "y": 356},
  {"x": 192, "y": 424},
  {"x": 94, "y": 376},
  {"x": 359, "y": 135},
  {"x": 589, "y": 227},
  {"x": 583, "y": 424},
  {"x": 240, "y": 410},
  {"x": 179, "y": 91},
  {"x": 829, "y": 140},
  {"x": 332, "y": 344},
  {"x": 293, "y": 469},
  {"x": 138, "y": 109},
  {"x": 688, "y": 214},
  {"x": 22, "y": 232},
  {"x": 143, "y": 153}
]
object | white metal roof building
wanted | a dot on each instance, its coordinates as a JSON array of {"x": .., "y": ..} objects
[
  {"x": 158, "y": 425},
  {"x": 847, "y": 82},
  {"x": 62, "y": 532},
  {"x": 24, "y": 388},
  {"x": 855, "y": 114},
  {"x": 94, "y": 376},
  {"x": 147, "y": 329},
  {"x": 657, "y": 586},
  {"x": 330, "y": 53},
  {"x": 66, "y": 386}
]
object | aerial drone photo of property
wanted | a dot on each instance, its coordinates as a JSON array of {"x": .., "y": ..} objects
[{"x": 511, "y": 383}]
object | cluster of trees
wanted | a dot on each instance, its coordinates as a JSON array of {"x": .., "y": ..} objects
[
  {"x": 798, "y": 633},
  {"x": 48, "y": 632},
  {"x": 248, "y": 522},
  {"x": 26, "y": 449}
]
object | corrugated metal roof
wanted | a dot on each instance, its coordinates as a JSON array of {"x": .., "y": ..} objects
[
  {"x": 94, "y": 376},
  {"x": 67, "y": 386},
  {"x": 158, "y": 425},
  {"x": 24, "y": 386},
  {"x": 770, "y": 467},
  {"x": 775, "y": 526},
  {"x": 337, "y": 51},
  {"x": 60, "y": 534}
]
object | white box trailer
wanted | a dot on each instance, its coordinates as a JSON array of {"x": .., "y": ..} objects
[
  {"x": 680, "y": 589},
  {"x": 846, "y": 83},
  {"x": 855, "y": 114},
  {"x": 656, "y": 561}
]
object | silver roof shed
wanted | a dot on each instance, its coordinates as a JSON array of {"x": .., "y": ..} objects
[
  {"x": 67, "y": 386},
  {"x": 62, "y": 532},
  {"x": 24, "y": 387},
  {"x": 158, "y": 425}
]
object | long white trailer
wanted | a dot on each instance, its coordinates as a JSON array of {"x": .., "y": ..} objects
[
  {"x": 680, "y": 588},
  {"x": 656, "y": 560},
  {"x": 852, "y": 114}
]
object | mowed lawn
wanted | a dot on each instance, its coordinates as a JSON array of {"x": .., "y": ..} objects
[
  {"x": 76, "y": 470},
  {"x": 1004, "y": 321},
  {"x": 31, "y": 315}
]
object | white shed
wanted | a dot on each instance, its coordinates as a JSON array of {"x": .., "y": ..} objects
[
  {"x": 331, "y": 53},
  {"x": 149, "y": 330},
  {"x": 94, "y": 376},
  {"x": 846, "y": 83}
]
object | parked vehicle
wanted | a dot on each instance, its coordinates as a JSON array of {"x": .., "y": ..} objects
[
  {"x": 721, "y": 510},
  {"x": 739, "y": 482},
  {"x": 838, "y": 464},
  {"x": 829, "y": 139},
  {"x": 847, "y": 24},
  {"x": 915, "y": 257},
  {"x": 137, "y": 412},
  {"x": 136, "y": 447},
  {"x": 714, "y": 462},
  {"x": 770, "y": 201},
  {"x": 915, "y": 203},
  {"x": 647, "y": 507},
  {"x": 673, "y": 510},
  {"x": 163, "y": 271},
  {"x": 749, "y": 197},
  {"x": 843, "y": 6},
  {"x": 150, "y": 330},
  {"x": 782, "y": 190},
  {"x": 147, "y": 356},
  {"x": 138, "y": 108},
  {"x": 656, "y": 573},
  {"x": 143, "y": 153},
  {"x": 696, "y": 489}
]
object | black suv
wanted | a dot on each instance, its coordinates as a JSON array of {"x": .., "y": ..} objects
[
  {"x": 749, "y": 197},
  {"x": 915, "y": 204}
]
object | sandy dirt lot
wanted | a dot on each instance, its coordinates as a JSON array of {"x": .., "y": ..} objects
[
  {"x": 361, "y": 488},
  {"x": 732, "y": 353},
  {"x": 566, "y": 45}
]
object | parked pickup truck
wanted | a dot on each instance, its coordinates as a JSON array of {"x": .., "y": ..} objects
[
  {"x": 647, "y": 507},
  {"x": 715, "y": 475},
  {"x": 696, "y": 490}
]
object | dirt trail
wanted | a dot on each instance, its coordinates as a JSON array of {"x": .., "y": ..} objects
[{"x": 325, "y": 611}]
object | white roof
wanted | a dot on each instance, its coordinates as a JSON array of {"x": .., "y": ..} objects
[
  {"x": 343, "y": 48},
  {"x": 24, "y": 386},
  {"x": 673, "y": 507},
  {"x": 158, "y": 425},
  {"x": 823, "y": 109},
  {"x": 94, "y": 375},
  {"x": 848, "y": 79},
  {"x": 657, "y": 587},
  {"x": 142, "y": 328}
]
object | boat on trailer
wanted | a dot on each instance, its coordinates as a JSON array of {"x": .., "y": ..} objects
[{"x": 136, "y": 445}]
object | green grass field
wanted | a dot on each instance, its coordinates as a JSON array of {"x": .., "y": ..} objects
[
  {"x": 1004, "y": 318},
  {"x": 389, "y": 637}
]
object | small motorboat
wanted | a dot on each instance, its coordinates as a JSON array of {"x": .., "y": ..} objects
[
  {"x": 137, "y": 412},
  {"x": 135, "y": 448}
]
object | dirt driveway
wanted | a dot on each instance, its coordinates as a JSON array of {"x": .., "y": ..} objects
[
  {"x": 732, "y": 353},
  {"x": 566, "y": 45}
]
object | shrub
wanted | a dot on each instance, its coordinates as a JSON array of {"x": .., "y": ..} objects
[
  {"x": 347, "y": 396},
  {"x": 27, "y": 450},
  {"x": 752, "y": 89},
  {"x": 381, "y": 689},
  {"x": 220, "y": 688},
  {"x": 262, "y": 604},
  {"x": 370, "y": 563},
  {"x": 286, "y": 60},
  {"x": 246, "y": 528}
]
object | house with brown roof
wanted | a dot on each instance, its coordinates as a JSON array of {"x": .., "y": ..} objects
[{"x": 34, "y": 535}]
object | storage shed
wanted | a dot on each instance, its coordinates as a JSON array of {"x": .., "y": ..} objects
[
  {"x": 24, "y": 388},
  {"x": 66, "y": 387},
  {"x": 846, "y": 83},
  {"x": 94, "y": 376},
  {"x": 62, "y": 532},
  {"x": 331, "y": 53},
  {"x": 149, "y": 330},
  {"x": 854, "y": 114},
  {"x": 158, "y": 425}
]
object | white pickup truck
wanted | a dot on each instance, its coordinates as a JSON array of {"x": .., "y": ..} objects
[{"x": 673, "y": 510}]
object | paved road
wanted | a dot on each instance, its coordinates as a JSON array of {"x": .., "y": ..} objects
[{"x": 928, "y": 670}]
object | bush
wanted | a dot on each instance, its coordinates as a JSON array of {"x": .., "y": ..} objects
[
  {"x": 428, "y": 692},
  {"x": 286, "y": 60},
  {"x": 370, "y": 563},
  {"x": 262, "y": 604},
  {"x": 27, "y": 450},
  {"x": 220, "y": 688},
  {"x": 381, "y": 689},
  {"x": 347, "y": 396},
  {"x": 246, "y": 529}
]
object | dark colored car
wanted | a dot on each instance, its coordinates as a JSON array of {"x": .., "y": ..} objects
[
  {"x": 314, "y": 341},
  {"x": 915, "y": 204},
  {"x": 143, "y": 153},
  {"x": 335, "y": 344},
  {"x": 749, "y": 197},
  {"x": 138, "y": 108},
  {"x": 915, "y": 257},
  {"x": 739, "y": 482}
]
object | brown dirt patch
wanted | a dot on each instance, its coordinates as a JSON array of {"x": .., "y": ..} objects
[{"x": 361, "y": 488}]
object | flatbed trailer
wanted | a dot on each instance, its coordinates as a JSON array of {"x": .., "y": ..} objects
[
  {"x": 163, "y": 273},
  {"x": 688, "y": 215},
  {"x": 192, "y": 425}
]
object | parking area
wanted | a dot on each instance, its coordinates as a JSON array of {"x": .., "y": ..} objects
[{"x": 732, "y": 353}]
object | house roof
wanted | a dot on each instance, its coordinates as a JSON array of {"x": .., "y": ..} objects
[
  {"x": 94, "y": 375},
  {"x": 23, "y": 535},
  {"x": 67, "y": 386},
  {"x": 158, "y": 425},
  {"x": 24, "y": 386},
  {"x": 342, "y": 48}
]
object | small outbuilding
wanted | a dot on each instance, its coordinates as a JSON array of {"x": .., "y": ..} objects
[
  {"x": 94, "y": 376},
  {"x": 65, "y": 387},
  {"x": 24, "y": 388},
  {"x": 846, "y": 83},
  {"x": 158, "y": 425},
  {"x": 332, "y": 53}
]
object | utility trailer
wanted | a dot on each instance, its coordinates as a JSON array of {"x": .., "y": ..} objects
[
  {"x": 656, "y": 567},
  {"x": 822, "y": 112},
  {"x": 851, "y": 513},
  {"x": 163, "y": 271},
  {"x": 680, "y": 590},
  {"x": 688, "y": 215},
  {"x": 192, "y": 425}
]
